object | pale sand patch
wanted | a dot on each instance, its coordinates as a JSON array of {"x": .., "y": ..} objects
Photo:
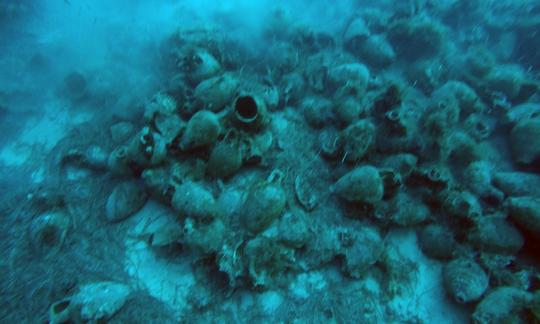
[{"x": 168, "y": 281}]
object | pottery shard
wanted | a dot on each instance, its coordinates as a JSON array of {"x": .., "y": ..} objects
[
  {"x": 126, "y": 199},
  {"x": 101, "y": 300}
]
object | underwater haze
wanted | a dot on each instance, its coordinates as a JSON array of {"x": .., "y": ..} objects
[{"x": 270, "y": 161}]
